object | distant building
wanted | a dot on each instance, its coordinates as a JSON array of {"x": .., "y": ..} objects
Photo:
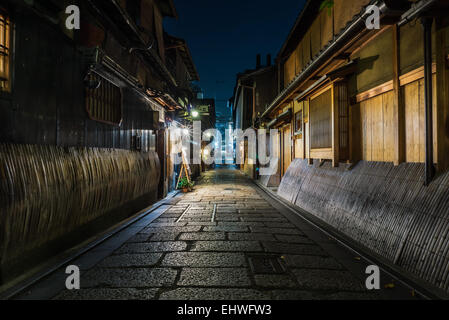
[
  {"x": 206, "y": 112},
  {"x": 225, "y": 125},
  {"x": 253, "y": 92}
]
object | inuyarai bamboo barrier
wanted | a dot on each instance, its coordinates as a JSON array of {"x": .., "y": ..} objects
[
  {"x": 48, "y": 191},
  {"x": 385, "y": 208}
]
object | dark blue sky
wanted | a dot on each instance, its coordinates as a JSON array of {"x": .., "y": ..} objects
[{"x": 225, "y": 37}]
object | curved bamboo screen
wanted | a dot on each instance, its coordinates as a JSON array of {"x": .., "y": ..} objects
[
  {"x": 386, "y": 208},
  {"x": 48, "y": 191}
]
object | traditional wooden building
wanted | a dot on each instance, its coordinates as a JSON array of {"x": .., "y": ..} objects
[
  {"x": 254, "y": 90},
  {"x": 364, "y": 115},
  {"x": 85, "y": 113},
  {"x": 335, "y": 74}
]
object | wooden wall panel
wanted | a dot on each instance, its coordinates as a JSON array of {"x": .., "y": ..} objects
[
  {"x": 327, "y": 27},
  {"x": 298, "y": 106},
  {"x": 306, "y": 51},
  {"x": 287, "y": 148},
  {"x": 299, "y": 148},
  {"x": 414, "y": 137},
  {"x": 411, "y": 36},
  {"x": 147, "y": 18},
  {"x": 389, "y": 126},
  {"x": 340, "y": 7},
  {"x": 415, "y": 121},
  {"x": 345, "y": 10},
  {"x": 377, "y": 127},
  {"x": 299, "y": 59},
  {"x": 289, "y": 69},
  {"x": 158, "y": 21},
  {"x": 366, "y": 116},
  {"x": 315, "y": 35},
  {"x": 375, "y": 66}
]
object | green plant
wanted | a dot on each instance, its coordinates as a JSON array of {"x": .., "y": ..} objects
[
  {"x": 329, "y": 4},
  {"x": 185, "y": 183}
]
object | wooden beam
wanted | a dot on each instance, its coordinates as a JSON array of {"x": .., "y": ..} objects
[
  {"x": 368, "y": 38},
  {"x": 399, "y": 107},
  {"x": 442, "y": 103},
  {"x": 335, "y": 129},
  {"x": 380, "y": 89},
  {"x": 415, "y": 75},
  {"x": 323, "y": 153}
]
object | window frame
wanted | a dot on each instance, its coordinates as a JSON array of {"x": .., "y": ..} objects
[
  {"x": 88, "y": 95},
  {"x": 6, "y": 15}
]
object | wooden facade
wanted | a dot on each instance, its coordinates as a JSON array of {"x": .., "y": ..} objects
[
  {"x": 254, "y": 89},
  {"x": 84, "y": 118},
  {"x": 367, "y": 100},
  {"x": 362, "y": 158}
]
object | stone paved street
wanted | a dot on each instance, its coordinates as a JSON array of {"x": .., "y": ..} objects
[{"x": 222, "y": 241}]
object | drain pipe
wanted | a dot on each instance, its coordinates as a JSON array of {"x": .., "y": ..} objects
[
  {"x": 416, "y": 9},
  {"x": 427, "y": 23}
]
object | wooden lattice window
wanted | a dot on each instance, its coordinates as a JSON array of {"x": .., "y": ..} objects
[
  {"x": 104, "y": 103},
  {"x": 5, "y": 52},
  {"x": 321, "y": 120}
]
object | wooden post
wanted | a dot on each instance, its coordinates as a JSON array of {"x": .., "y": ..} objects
[
  {"x": 309, "y": 137},
  {"x": 427, "y": 23},
  {"x": 399, "y": 108},
  {"x": 335, "y": 128},
  {"x": 306, "y": 128},
  {"x": 161, "y": 151},
  {"x": 442, "y": 89}
]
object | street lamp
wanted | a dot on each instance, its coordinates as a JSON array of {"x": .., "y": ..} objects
[{"x": 195, "y": 114}]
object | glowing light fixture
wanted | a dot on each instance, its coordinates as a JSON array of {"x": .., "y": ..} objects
[{"x": 195, "y": 114}]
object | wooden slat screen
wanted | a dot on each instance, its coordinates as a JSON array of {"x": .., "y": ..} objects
[
  {"x": 104, "y": 104},
  {"x": 343, "y": 114},
  {"x": 321, "y": 121}
]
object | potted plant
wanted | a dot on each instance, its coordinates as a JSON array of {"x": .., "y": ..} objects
[{"x": 184, "y": 185}]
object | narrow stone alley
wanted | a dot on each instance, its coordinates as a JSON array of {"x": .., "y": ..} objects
[{"x": 226, "y": 240}]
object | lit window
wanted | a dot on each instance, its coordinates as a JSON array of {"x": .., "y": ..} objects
[
  {"x": 104, "y": 103},
  {"x": 5, "y": 35}
]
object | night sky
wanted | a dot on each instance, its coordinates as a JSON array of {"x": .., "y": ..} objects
[{"x": 225, "y": 37}]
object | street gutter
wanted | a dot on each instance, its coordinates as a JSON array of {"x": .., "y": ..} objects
[{"x": 407, "y": 279}]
